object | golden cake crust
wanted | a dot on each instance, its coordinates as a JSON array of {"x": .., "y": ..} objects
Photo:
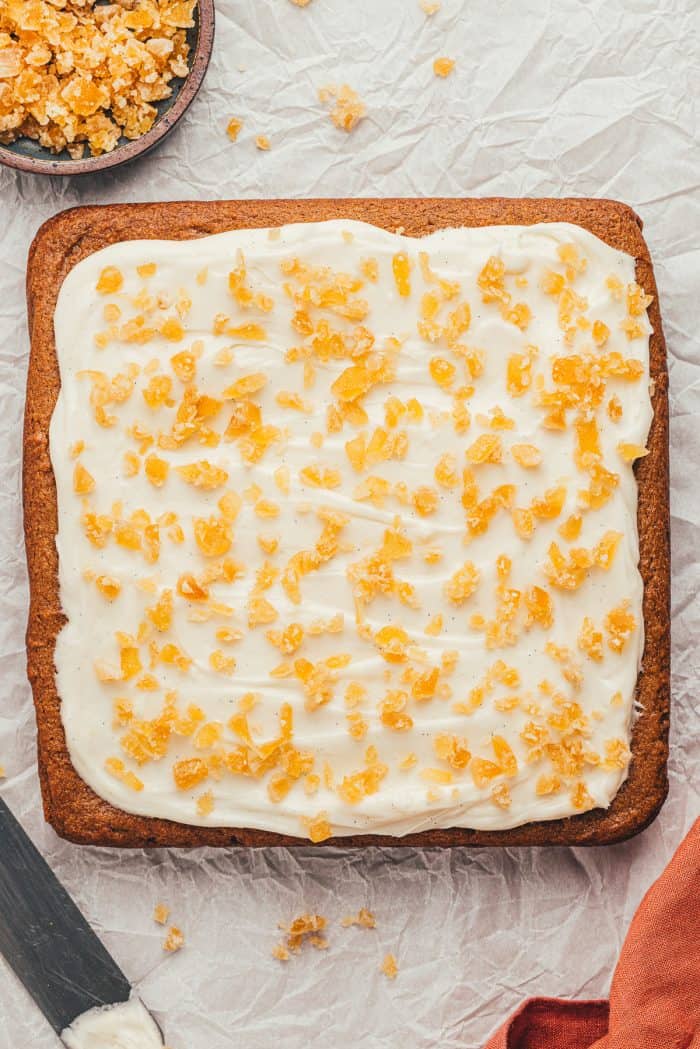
[{"x": 74, "y": 810}]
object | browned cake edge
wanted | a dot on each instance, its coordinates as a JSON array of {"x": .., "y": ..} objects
[{"x": 70, "y": 805}]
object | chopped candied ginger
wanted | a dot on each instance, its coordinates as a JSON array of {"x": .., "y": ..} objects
[
  {"x": 205, "y": 804},
  {"x": 483, "y": 771},
  {"x": 581, "y": 798},
  {"x": 569, "y": 573},
  {"x": 629, "y": 452},
  {"x": 307, "y": 928},
  {"x": 212, "y": 535},
  {"x": 83, "y": 481},
  {"x": 260, "y": 612},
  {"x": 348, "y": 108},
  {"x": 157, "y": 392},
  {"x": 109, "y": 587},
  {"x": 571, "y": 528},
  {"x": 110, "y": 281},
  {"x": 233, "y": 128},
  {"x": 389, "y": 967},
  {"x": 452, "y": 749},
  {"x": 175, "y": 940},
  {"x": 287, "y": 640},
  {"x": 203, "y": 474},
  {"x": 590, "y": 640},
  {"x": 526, "y": 455},
  {"x": 485, "y": 449},
  {"x": 617, "y": 754},
  {"x": 442, "y": 67},
  {"x": 462, "y": 583},
  {"x": 392, "y": 713},
  {"x": 425, "y": 500},
  {"x": 391, "y": 642},
  {"x": 619, "y": 625},
  {"x": 501, "y": 796},
  {"x": 318, "y": 828},
  {"x": 442, "y": 372},
  {"x": 358, "y": 785},
  {"x": 446, "y": 473},
  {"x": 364, "y": 918},
  {"x": 547, "y": 785},
  {"x": 189, "y": 772},
  {"x": 156, "y": 470},
  {"x": 262, "y": 142},
  {"x": 161, "y": 614},
  {"x": 615, "y": 409},
  {"x": 245, "y": 386},
  {"x": 116, "y": 768},
  {"x": 161, "y": 913}
]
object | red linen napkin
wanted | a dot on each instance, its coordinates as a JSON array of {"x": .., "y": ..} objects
[{"x": 655, "y": 995}]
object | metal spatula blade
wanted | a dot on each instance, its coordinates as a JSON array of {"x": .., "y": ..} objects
[{"x": 44, "y": 937}]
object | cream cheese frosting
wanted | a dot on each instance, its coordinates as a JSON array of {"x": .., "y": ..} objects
[
  {"x": 126, "y": 1025},
  {"x": 347, "y": 525}
]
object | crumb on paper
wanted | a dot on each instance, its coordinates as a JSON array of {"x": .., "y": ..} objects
[
  {"x": 364, "y": 918},
  {"x": 301, "y": 3},
  {"x": 262, "y": 142},
  {"x": 233, "y": 128},
  {"x": 430, "y": 7},
  {"x": 348, "y": 110},
  {"x": 161, "y": 913},
  {"x": 304, "y": 929},
  {"x": 175, "y": 940},
  {"x": 79, "y": 75},
  {"x": 442, "y": 67},
  {"x": 389, "y": 967}
]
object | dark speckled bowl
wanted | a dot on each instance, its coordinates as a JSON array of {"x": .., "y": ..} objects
[{"x": 27, "y": 155}]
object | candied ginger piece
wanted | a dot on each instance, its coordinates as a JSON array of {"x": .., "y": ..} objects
[
  {"x": 485, "y": 449},
  {"x": 463, "y": 583},
  {"x": 442, "y": 67},
  {"x": 110, "y": 281},
  {"x": 83, "y": 481},
  {"x": 348, "y": 108},
  {"x": 619, "y": 624},
  {"x": 526, "y": 455},
  {"x": 175, "y": 940},
  {"x": 389, "y": 967},
  {"x": 161, "y": 913},
  {"x": 629, "y": 452}
]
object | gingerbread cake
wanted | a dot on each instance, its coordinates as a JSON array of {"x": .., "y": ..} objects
[{"x": 347, "y": 521}]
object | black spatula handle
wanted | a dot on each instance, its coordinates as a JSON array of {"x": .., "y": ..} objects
[{"x": 44, "y": 937}]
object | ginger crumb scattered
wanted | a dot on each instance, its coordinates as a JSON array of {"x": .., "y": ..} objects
[
  {"x": 307, "y": 928},
  {"x": 175, "y": 940},
  {"x": 389, "y": 967},
  {"x": 262, "y": 142},
  {"x": 301, "y": 3},
  {"x": 233, "y": 128},
  {"x": 442, "y": 67},
  {"x": 430, "y": 7},
  {"x": 161, "y": 913},
  {"x": 348, "y": 109},
  {"x": 3, "y": 774},
  {"x": 364, "y": 918}
]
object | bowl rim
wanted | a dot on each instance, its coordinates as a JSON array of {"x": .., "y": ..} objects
[{"x": 162, "y": 127}]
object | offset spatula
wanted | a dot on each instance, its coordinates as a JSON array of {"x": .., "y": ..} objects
[{"x": 45, "y": 938}]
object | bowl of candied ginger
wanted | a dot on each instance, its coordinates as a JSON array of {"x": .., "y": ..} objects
[{"x": 87, "y": 85}]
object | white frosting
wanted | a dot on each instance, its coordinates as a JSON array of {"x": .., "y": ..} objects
[
  {"x": 126, "y": 1025},
  {"x": 402, "y": 804}
]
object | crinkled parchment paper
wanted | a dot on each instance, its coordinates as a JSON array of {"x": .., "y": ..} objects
[{"x": 570, "y": 98}]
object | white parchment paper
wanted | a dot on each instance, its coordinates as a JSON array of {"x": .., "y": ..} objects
[{"x": 577, "y": 97}]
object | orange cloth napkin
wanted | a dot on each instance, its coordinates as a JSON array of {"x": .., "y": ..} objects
[{"x": 655, "y": 994}]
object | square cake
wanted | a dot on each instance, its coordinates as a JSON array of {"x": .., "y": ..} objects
[{"x": 345, "y": 521}]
